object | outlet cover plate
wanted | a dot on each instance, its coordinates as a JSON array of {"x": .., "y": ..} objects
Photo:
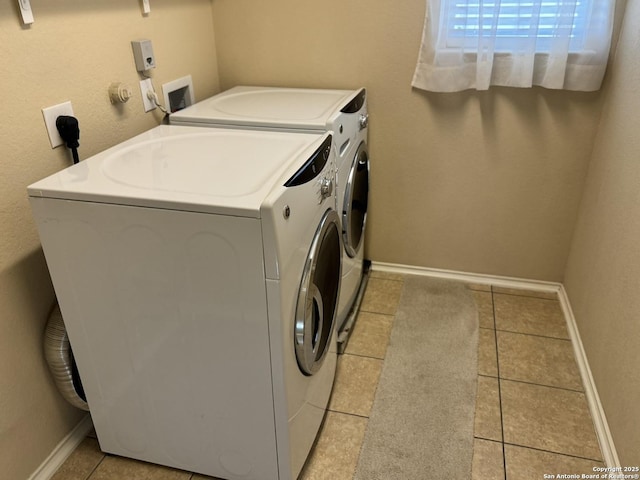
[
  {"x": 146, "y": 86},
  {"x": 50, "y": 115}
]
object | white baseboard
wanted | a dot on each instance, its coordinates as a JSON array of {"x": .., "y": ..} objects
[
  {"x": 497, "y": 280},
  {"x": 609, "y": 453},
  {"x": 62, "y": 451}
]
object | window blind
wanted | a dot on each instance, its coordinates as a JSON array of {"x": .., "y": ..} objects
[{"x": 508, "y": 21}]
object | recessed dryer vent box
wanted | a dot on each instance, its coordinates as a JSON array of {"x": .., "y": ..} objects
[{"x": 178, "y": 94}]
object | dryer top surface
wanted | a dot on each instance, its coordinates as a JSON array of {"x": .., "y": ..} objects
[
  {"x": 268, "y": 107},
  {"x": 185, "y": 168}
]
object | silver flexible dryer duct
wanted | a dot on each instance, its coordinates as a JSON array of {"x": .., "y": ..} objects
[{"x": 57, "y": 351}]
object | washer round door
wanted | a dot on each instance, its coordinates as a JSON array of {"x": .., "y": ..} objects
[
  {"x": 356, "y": 197},
  {"x": 318, "y": 296}
]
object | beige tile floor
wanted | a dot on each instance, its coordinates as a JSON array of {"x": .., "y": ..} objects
[{"x": 531, "y": 411}]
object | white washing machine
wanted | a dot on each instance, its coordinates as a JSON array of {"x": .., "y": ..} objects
[
  {"x": 342, "y": 112},
  {"x": 197, "y": 271}
]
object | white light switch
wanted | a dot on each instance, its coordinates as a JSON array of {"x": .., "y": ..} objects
[
  {"x": 50, "y": 115},
  {"x": 146, "y": 8}
]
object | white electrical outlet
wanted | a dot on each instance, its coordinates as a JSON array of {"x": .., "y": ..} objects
[
  {"x": 50, "y": 115},
  {"x": 147, "y": 86}
]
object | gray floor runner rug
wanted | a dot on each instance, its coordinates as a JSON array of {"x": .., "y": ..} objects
[{"x": 421, "y": 425}]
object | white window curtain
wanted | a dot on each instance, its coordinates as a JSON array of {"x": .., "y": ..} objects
[{"x": 473, "y": 44}]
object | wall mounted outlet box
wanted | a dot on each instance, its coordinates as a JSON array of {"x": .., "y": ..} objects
[
  {"x": 178, "y": 94},
  {"x": 143, "y": 55},
  {"x": 50, "y": 115}
]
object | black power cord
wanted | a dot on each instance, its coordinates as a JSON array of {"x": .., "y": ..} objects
[{"x": 70, "y": 132}]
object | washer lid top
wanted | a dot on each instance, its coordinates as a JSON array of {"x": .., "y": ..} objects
[
  {"x": 185, "y": 168},
  {"x": 268, "y": 107}
]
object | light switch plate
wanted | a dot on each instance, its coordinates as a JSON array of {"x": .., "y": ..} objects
[{"x": 50, "y": 115}]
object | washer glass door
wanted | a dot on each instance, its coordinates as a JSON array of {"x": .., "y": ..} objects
[
  {"x": 318, "y": 296},
  {"x": 354, "y": 213}
]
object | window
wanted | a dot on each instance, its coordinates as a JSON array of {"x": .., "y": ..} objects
[
  {"x": 515, "y": 21},
  {"x": 552, "y": 43}
]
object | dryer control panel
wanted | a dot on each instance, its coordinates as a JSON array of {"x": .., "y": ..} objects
[
  {"x": 356, "y": 103},
  {"x": 312, "y": 167}
]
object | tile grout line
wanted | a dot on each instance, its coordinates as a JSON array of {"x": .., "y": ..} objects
[
  {"x": 526, "y": 296},
  {"x": 543, "y": 385},
  {"x": 374, "y": 312},
  {"x": 96, "y": 467},
  {"x": 360, "y": 310},
  {"x": 529, "y": 334},
  {"x": 552, "y": 452},
  {"x": 348, "y": 413},
  {"x": 514, "y": 294},
  {"x": 495, "y": 333},
  {"x": 487, "y": 439},
  {"x": 360, "y": 355}
]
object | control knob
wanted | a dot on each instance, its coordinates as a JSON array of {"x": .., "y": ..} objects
[
  {"x": 326, "y": 187},
  {"x": 364, "y": 121}
]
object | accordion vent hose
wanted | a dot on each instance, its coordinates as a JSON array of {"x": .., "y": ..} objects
[{"x": 57, "y": 350}]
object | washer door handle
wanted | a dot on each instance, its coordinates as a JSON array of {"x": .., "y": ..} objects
[
  {"x": 309, "y": 327},
  {"x": 315, "y": 319}
]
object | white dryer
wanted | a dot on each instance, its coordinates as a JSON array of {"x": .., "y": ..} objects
[
  {"x": 197, "y": 271},
  {"x": 342, "y": 112}
]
